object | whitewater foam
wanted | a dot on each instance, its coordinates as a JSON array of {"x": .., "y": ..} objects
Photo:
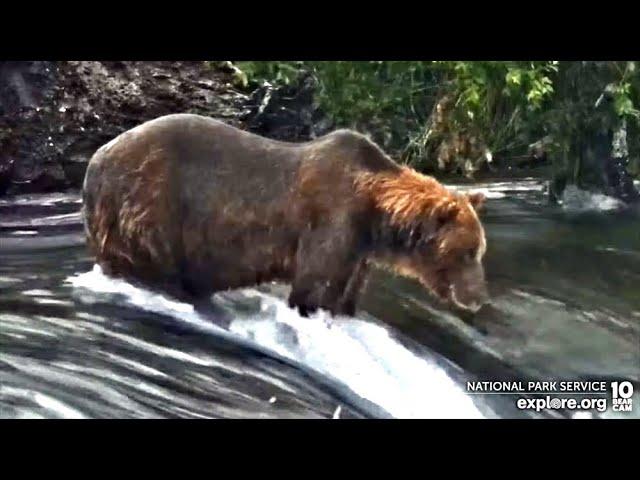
[
  {"x": 575, "y": 199},
  {"x": 357, "y": 353}
]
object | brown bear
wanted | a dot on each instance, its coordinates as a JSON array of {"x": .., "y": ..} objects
[{"x": 193, "y": 205}]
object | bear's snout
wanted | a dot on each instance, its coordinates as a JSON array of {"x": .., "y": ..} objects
[{"x": 468, "y": 289}]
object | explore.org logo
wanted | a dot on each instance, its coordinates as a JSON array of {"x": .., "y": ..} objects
[
  {"x": 548, "y": 403},
  {"x": 592, "y": 395}
]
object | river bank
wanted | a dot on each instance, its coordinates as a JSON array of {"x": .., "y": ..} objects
[{"x": 54, "y": 115}]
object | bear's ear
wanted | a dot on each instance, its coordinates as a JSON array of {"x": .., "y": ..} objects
[
  {"x": 446, "y": 212},
  {"x": 476, "y": 200}
]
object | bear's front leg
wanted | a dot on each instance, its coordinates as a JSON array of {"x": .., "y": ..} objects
[
  {"x": 348, "y": 301},
  {"x": 326, "y": 260},
  {"x": 310, "y": 293}
]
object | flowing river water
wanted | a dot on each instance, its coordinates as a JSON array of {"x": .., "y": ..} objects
[{"x": 75, "y": 343}]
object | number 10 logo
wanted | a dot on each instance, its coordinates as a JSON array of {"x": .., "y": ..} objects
[{"x": 622, "y": 393}]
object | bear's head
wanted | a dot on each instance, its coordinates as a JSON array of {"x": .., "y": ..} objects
[{"x": 432, "y": 234}]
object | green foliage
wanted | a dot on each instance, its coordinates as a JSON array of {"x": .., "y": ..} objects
[
  {"x": 279, "y": 73},
  {"x": 623, "y": 92},
  {"x": 507, "y": 105},
  {"x": 389, "y": 99},
  {"x": 591, "y": 101}
]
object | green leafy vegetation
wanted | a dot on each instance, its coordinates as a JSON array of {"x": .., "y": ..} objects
[{"x": 456, "y": 115}]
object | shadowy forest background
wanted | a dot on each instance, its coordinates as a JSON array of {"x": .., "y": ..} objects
[{"x": 571, "y": 122}]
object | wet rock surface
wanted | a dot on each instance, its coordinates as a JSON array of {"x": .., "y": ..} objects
[
  {"x": 54, "y": 115},
  {"x": 618, "y": 182},
  {"x": 287, "y": 112}
]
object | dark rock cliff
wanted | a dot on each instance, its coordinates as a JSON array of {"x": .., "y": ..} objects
[{"x": 54, "y": 115}]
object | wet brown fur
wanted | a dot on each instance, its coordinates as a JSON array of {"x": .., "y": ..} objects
[
  {"x": 429, "y": 231},
  {"x": 195, "y": 206}
]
